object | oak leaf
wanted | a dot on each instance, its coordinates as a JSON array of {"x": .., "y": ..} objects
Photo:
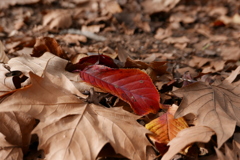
[
  {"x": 186, "y": 137},
  {"x": 131, "y": 85},
  {"x": 215, "y": 106}
]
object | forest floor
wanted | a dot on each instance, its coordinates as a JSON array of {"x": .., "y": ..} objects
[
  {"x": 176, "y": 32},
  {"x": 199, "y": 37}
]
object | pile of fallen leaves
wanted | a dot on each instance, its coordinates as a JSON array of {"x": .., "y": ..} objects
[
  {"x": 125, "y": 79},
  {"x": 102, "y": 107}
]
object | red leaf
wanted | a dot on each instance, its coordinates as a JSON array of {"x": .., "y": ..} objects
[{"x": 131, "y": 85}]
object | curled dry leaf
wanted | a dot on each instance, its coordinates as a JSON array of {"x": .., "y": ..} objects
[
  {"x": 154, "y": 69},
  {"x": 233, "y": 76},
  {"x": 6, "y": 83},
  {"x": 3, "y": 56},
  {"x": 186, "y": 137},
  {"x": 159, "y": 67},
  {"x": 165, "y": 128},
  {"x": 91, "y": 60},
  {"x": 47, "y": 44},
  {"x": 57, "y": 19},
  {"x": 156, "y": 6},
  {"x": 131, "y": 85},
  {"x": 215, "y": 106}
]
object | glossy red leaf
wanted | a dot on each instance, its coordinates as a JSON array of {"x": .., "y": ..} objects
[
  {"x": 131, "y": 85},
  {"x": 92, "y": 60}
]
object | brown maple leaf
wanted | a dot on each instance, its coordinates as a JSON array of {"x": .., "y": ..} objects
[
  {"x": 215, "y": 106},
  {"x": 72, "y": 129},
  {"x": 83, "y": 135},
  {"x": 186, "y": 137}
]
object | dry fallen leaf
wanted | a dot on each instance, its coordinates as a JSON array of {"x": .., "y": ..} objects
[
  {"x": 9, "y": 151},
  {"x": 48, "y": 99},
  {"x": 83, "y": 135},
  {"x": 47, "y": 44},
  {"x": 73, "y": 38},
  {"x": 7, "y": 3},
  {"x": 3, "y": 56},
  {"x": 131, "y": 85},
  {"x": 92, "y": 28},
  {"x": 163, "y": 33},
  {"x": 166, "y": 127},
  {"x": 171, "y": 40},
  {"x": 207, "y": 64},
  {"x": 113, "y": 7},
  {"x": 122, "y": 54},
  {"x": 16, "y": 126},
  {"x": 215, "y": 106},
  {"x": 83, "y": 128},
  {"x": 57, "y": 19},
  {"x": 186, "y": 137},
  {"x": 6, "y": 83},
  {"x": 230, "y": 53},
  {"x": 46, "y": 63},
  {"x": 232, "y": 152},
  {"x": 156, "y": 6}
]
